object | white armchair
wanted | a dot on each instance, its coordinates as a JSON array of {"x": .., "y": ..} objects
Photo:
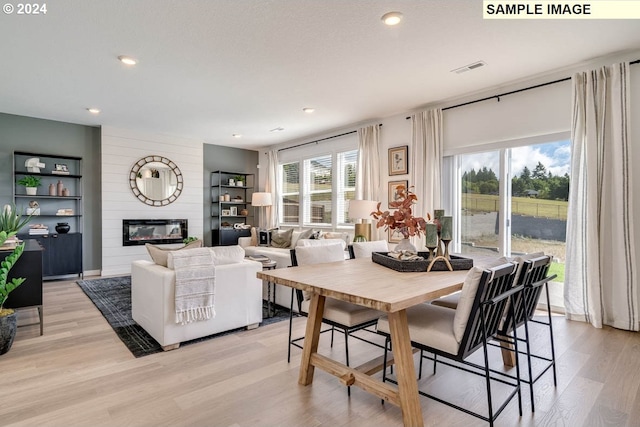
[{"x": 238, "y": 298}]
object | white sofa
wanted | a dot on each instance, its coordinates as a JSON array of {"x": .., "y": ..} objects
[
  {"x": 282, "y": 256},
  {"x": 238, "y": 298}
]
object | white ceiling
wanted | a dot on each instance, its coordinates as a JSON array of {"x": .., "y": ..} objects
[{"x": 208, "y": 69}]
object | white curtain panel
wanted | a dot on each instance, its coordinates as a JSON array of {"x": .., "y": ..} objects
[
  {"x": 272, "y": 185},
  {"x": 600, "y": 275},
  {"x": 368, "y": 170},
  {"x": 426, "y": 163}
]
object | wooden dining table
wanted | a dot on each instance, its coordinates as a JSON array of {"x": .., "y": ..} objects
[{"x": 362, "y": 282}]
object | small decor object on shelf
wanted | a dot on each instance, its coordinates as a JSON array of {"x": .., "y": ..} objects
[
  {"x": 31, "y": 184},
  {"x": 63, "y": 227},
  {"x": 34, "y": 208},
  {"x": 59, "y": 188},
  {"x": 239, "y": 180},
  {"x": 52, "y": 189},
  {"x": 60, "y": 169},
  {"x": 33, "y": 164},
  {"x": 401, "y": 220}
]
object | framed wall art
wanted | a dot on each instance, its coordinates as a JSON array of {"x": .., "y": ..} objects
[
  {"x": 393, "y": 192},
  {"x": 399, "y": 160}
]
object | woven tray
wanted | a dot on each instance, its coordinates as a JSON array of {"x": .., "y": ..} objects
[{"x": 383, "y": 258}]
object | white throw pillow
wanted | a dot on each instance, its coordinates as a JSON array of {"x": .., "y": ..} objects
[
  {"x": 364, "y": 249},
  {"x": 227, "y": 254},
  {"x": 160, "y": 255},
  {"x": 468, "y": 294},
  {"x": 320, "y": 242},
  {"x": 329, "y": 252}
]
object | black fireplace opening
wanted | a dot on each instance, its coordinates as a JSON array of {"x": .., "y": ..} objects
[{"x": 157, "y": 231}]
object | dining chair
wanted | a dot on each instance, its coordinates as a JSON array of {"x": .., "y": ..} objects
[
  {"x": 533, "y": 277},
  {"x": 532, "y": 274},
  {"x": 341, "y": 315},
  {"x": 365, "y": 249},
  {"x": 455, "y": 335}
]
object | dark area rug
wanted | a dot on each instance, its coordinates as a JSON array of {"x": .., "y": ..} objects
[{"x": 112, "y": 296}]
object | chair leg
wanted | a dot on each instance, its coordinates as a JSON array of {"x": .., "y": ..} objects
[
  {"x": 332, "y": 329},
  {"x": 420, "y": 368},
  {"x": 486, "y": 368},
  {"x": 290, "y": 326},
  {"x": 528, "y": 347},
  {"x": 553, "y": 350},
  {"x": 435, "y": 362}
]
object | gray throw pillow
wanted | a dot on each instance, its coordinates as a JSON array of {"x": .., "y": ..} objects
[{"x": 281, "y": 239}]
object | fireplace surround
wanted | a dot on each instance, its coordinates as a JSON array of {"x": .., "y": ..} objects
[{"x": 156, "y": 231}]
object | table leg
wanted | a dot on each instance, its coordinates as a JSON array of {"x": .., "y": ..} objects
[
  {"x": 405, "y": 371},
  {"x": 311, "y": 338}
]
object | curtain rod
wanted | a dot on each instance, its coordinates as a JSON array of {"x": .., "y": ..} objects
[
  {"x": 319, "y": 140},
  {"x": 514, "y": 91}
]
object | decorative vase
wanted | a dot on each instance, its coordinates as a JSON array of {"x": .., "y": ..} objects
[
  {"x": 52, "y": 189},
  {"x": 244, "y": 212},
  {"x": 59, "y": 188},
  {"x": 63, "y": 227},
  {"x": 8, "y": 327},
  {"x": 406, "y": 245}
]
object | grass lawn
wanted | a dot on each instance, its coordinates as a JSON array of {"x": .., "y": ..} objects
[{"x": 557, "y": 268}]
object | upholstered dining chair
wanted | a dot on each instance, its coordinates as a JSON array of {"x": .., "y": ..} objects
[
  {"x": 532, "y": 274},
  {"x": 365, "y": 249},
  {"x": 457, "y": 334},
  {"x": 340, "y": 315}
]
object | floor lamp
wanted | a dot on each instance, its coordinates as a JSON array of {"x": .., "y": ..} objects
[
  {"x": 262, "y": 200},
  {"x": 361, "y": 210}
]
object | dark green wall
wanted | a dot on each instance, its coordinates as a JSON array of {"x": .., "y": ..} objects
[
  {"x": 228, "y": 159},
  {"x": 64, "y": 139}
]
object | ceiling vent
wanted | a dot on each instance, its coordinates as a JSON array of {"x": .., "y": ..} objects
[{"x": 469, "y": 67}]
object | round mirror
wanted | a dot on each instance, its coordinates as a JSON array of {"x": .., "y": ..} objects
[{"x": 156, "y": 181}]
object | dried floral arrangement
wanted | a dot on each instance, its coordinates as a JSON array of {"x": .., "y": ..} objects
[{"x": 401, "y": 218}]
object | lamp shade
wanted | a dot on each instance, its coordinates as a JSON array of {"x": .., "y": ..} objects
[
  {"x": 361, "y": 209},
  {"x": 261, "y": 199}
]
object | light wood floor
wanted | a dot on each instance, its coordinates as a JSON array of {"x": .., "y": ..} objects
[{"x": 80, "y": 374}]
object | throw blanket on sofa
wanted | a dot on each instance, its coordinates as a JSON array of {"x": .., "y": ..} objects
[{"x": 195, "y": 285}]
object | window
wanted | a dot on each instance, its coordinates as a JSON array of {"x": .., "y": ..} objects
[
  {"x": 316, "y": 190},
  {"x": 290, "y": 178}
]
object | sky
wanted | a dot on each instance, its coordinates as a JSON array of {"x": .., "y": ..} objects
[{"x": 555, "y": 156}]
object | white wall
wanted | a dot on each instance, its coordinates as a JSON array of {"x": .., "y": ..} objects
[{"x": 121, "y": 148}]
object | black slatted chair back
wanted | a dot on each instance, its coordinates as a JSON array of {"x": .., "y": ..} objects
[
  {"x": 532, "y": 277},
  {"x": 486, "y": 315}
]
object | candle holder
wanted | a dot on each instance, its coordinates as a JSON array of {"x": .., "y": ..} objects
[
  {"x": 431, "y": 249},
  {"x": 446, "y": 248},
  {"x": 439, "y": 247}
]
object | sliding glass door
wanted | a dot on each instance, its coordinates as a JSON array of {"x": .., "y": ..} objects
[{"x": 514, "y": 201}]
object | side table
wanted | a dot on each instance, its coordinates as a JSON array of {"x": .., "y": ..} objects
[{"x": 271, "y": 304}]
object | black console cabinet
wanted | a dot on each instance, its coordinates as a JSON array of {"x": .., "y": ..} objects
[{"x": 62, "y": 253}]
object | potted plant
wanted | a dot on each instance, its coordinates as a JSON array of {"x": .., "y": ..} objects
[
  {"x": 31, "y": 184},
  {"x": 10, "y": 222},
  {"x": 239, "y": 180}
]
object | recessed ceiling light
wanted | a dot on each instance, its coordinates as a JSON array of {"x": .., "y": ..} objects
[
  {"x": 237, "y": 135},
  {"x": 93, "y": 110},
  {"x": 308, "y": 110},
  {"x": 278, "y": 129},
  {"x": 392, "y": 18},
  {"x": 127, "y": 60}
]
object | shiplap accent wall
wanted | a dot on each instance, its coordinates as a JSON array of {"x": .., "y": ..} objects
[{"x": 121, "y": 148}]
